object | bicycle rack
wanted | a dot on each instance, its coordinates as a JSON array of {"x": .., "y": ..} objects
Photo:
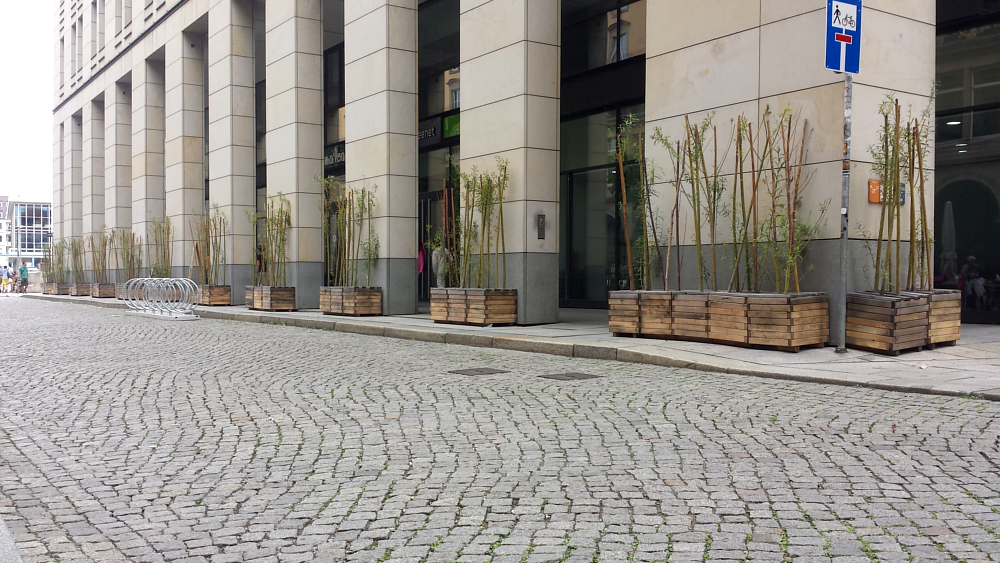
[{"x": 173, "y": 298}]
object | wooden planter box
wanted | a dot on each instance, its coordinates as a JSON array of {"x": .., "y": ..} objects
[
  {"x": 887, "y": 324},
  {"x": 728, "y": 318},
  {"x": 248, "y": 289},
  {"x": 79, "y": 289},
  {"x": 267, "y": 298},
  {"x": 789, "y": 322},
  {"x": 102, "y": 290},
  {"x": 215, "y": 295},
  {"x": 944, "y": 319},
  {"x": 476, "y": 307},
  {"x": 120, "y": 291},
  {"x": 48, "y": 288},
  {"x": 63, "y": 289},
  {"x": 351, "y": 301}
]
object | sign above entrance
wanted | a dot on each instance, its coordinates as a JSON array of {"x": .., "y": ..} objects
[{"x": 843, "y": 35}]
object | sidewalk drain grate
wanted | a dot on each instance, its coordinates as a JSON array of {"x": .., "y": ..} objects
[
  {"x": 569, "y": 376},
  {"x": 478, "y": 371}
]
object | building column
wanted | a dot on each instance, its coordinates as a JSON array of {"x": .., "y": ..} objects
[
  {"x": 147, "y": 145},
  {"x": 184, "y": 149},
  {"x": 510, "y": 109},
  {"x": 58, "y": 169},
  {"x": 294, "y": 92},
  {"x": 93, "y": 167},
  {"x": 231, "y": 138},
  {"x": 72, "y": 196},
  {"x": 381, "y": 94},
  {"x": 118, "y": 156}
]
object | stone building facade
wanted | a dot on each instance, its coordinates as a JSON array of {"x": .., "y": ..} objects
[{"x": 165, "y": 109}]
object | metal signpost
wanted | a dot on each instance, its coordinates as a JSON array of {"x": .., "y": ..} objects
[{"x": 843, "y": 54}]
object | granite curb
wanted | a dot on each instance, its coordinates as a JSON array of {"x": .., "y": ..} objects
[{"x": 536, "y": 345}]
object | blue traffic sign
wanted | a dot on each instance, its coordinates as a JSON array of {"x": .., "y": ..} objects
[{"x": 843, "y": 35}]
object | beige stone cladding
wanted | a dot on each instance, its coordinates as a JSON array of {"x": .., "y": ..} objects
[
  {"x": 294, "y": 59},
  {"x": 147, "y": 143},
  {"x": 118, "y": 156},
  {"x": 510, "y": 109},
  {"x": 93, "y": 167},
  {"x": 231, "y": 134},
  {"x": 381, "y": 138},
  {"x": 184, "y": 149}
]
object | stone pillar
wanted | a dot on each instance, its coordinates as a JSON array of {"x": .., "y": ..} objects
[
  {"x": 294, "y": 92},
  {"x": 231, "y": 138},
  {"x": 147, "y": 145},
  {"x": 118, "y": 156},
  {"x": 58, "y": 169},
  {"x": 381, "y": 95},
  {"x": 510, "y": 109},
  {"x": 184, "y": 151},
  {"x": 72, "y": 202},
  {"x": 93, "y": 167}
]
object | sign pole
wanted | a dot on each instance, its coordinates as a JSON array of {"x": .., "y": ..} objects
[{"x": 844, "y": 208}]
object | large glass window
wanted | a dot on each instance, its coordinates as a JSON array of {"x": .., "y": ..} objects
[
  {"x": 967, "y": 172},
  {"x": 439, "y": 44},
  {"x": 601, "y": 32}
]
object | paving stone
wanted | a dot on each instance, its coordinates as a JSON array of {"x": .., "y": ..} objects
[{"x": 132, "y": 439}]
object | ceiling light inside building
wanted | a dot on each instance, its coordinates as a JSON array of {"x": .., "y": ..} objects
[{"x": 954, "y": 123}]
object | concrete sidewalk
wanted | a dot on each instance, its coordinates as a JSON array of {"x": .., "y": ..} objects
[{"x": 970, "y": 368}]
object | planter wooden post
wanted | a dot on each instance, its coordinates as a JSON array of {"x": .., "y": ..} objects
[
  {"x": 887, "y": 324},
  {"x": 102, "y": 290},
  {"x": 351, "y": 301},
  {"x": 623, "y": 313},
  {"x": 789, "y": 322},
  {"x": 267, "y": 298},
  {"x": 63, "y": 288},
  {"x": 944, "y": 319},
  {"x": 656, "y": 314},
  {"x": 79, "y": 289}
]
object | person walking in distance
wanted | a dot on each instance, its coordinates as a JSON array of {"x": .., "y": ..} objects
[
  {"x": 5, "y": 279},
  {"x": 23, "y": 271}
]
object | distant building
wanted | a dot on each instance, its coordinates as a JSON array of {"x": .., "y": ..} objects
[
  {"x": 29, "y": 225},
  {"x": 5, "y": 233}
]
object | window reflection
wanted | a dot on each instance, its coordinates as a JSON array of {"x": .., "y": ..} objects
[{"x": 599, "y": 33}]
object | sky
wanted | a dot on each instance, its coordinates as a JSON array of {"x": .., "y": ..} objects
[{"x": 27, "y": 69}]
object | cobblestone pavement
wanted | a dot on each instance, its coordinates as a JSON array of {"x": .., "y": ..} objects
[{"x": 133, "y": 439}]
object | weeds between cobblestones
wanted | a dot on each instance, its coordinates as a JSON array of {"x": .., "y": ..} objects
[{"x": 221, "y": 441}]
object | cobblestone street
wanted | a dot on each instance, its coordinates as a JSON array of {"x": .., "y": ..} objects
[{"x": 135, "y": 439}]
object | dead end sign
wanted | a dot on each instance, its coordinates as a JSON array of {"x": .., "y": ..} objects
[{"x": 843, "y": 35}]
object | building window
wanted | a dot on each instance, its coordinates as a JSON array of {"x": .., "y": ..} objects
[
  {"x": 79, "y": 44},
  {"x": 72, "y": 49},
  {"x": 62, "y": 62},
  {"x": 119, "y": 8},
  {"x": 438, "y": 56},
  {"x": 596, "y": 36}
]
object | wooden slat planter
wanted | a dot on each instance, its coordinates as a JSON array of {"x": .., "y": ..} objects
[
  {"x": 477, "y": 307},
  {"x": 786, "y": 322},
  {"x": 944, "y": 319},
  {"x": 690, "y": 315},
  {"x": 728, "y": 318},
  {"x": 789, "y": 322},
  {"x": 215, "y": 295},
  {"x": 48, "y": 288},
  {"x": 623, "y": 314},
  {"x": 63, "y": 289},
  {"x": 351, "y": 301},
  {"x": 887, "y": 324},
  {"x": 102, "y": 290},
  {"x": 248, "y": 289},
  {"x": 267, "y": 298},
  {"x": 79, "y": 289}
]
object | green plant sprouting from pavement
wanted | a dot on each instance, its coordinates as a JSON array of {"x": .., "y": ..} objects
[
  {"x": 272, "y": 241},
  {"x": 209, "y": 233},
  {"x": 78, "y": 260},
  {"x": 100, "y": 245},
  {"x": 159, "y": 250},
  {"x": 349, "y": 239}
]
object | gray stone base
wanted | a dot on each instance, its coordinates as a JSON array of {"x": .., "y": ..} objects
[
  {"x": 535, "y": 276},
  {"x": 306, "y": 278},
  {"x": 398, "y": 279}
]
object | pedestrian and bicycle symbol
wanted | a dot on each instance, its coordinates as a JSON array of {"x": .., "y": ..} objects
[{"x": 843, "y": 35}]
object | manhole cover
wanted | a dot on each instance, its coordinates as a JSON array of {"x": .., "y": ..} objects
[
  {"x": 478, "y": 371},
  {"x": 569, "y": 376}
]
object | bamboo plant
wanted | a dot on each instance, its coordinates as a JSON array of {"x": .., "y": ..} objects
[
  {"x": 480, "y": 234},
  {"x": 100, "y": 245},
  {"x": 634, "y": 169},
  {"x": 78, "y": 260},
  {"x": 128, "y": 254},
  {"x": 209, "y": 235},
  {"x": 272, "y": 236},
  {"x": 159, "y": 249},
  {"x": 903, "y": 147},
  {"x": 349, "y": 239}
]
